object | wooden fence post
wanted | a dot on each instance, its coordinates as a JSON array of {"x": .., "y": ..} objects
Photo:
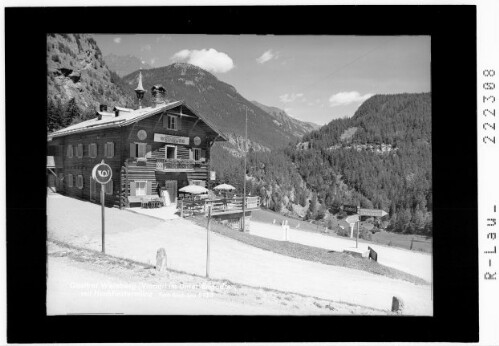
[{"x": 181, "y": 208}]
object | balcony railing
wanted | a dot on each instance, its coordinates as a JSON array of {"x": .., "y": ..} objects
[
  {"x": 178, "y": 164},
  {"x": 219, "y": 206}
]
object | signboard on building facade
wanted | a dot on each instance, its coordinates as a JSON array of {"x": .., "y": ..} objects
[
  {"x": 158, "y": 137},
  {"x": 372, "y": 212},
  {"x": 213, "y": 175}
]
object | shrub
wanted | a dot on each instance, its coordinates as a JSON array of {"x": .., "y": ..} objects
[
  {"x": 365, "y": 234},
  {"x": 343, "y": 232}
]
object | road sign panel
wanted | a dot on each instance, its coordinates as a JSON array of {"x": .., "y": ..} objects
[
  {"x": 102, "y": 173},
  {"x": 372, "y": 212},
  {"x": 352, "y": 218}
]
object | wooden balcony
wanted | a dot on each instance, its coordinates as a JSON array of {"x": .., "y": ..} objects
[{"x": 179, "y": 165}]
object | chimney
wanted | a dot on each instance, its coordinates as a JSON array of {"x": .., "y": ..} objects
[
  {"x": 99, "y": 116},
  {"x": 103, "y": 107},
  {"x": 158, "y": 93}
]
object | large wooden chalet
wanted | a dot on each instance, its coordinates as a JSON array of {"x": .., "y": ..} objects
[{"x": 166, "y": 144}]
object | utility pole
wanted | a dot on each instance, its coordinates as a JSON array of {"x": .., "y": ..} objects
[{"x": 244, "y": 173}]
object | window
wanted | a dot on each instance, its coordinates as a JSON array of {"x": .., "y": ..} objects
[
  {"x": 109, "y": 149},
  {"x": 170, "y": 122},
  {"x": 92, "y": 150},
  {"x": 70, "y": 151},
  {"x": 171, "y": 152},
  {"x": 79, "y": 181},
  {"x": 70, "y": 180},
  {"x": 79, "y": 151},
  {"x": 109, "y": 187},
  {"x": 197, "y": 154},
  {"x": 140, "y": 188}
]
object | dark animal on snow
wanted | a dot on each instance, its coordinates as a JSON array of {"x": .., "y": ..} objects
[{"x": 372, "y": 254}]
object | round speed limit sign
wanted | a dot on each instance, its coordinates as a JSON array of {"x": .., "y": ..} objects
[{"x": 102, "y": 173}]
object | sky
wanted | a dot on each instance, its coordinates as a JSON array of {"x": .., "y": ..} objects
[{"x": 312, "y": 78}]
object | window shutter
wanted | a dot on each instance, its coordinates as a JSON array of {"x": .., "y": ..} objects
[
  {"x": 132, "y": 188},
  {"x": 132, "y": 151},
  {"x": 70, "y": 180},
  {"x": 111, "y": 149},
  {"x": 148, "y": 150},
  {"x": 165, "y": 121},
  {"x": 191, "y": 156},
  {"x": 203, "y": 155},
  {"x": 106, "y": 150},
  {"x": 149, "y": 188},
  {"x": 179, "y": 123}
]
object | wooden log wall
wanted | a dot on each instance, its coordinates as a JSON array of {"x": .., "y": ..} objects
[{"x": 83, "y": 165}]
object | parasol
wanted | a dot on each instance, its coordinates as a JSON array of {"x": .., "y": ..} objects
[
  {"x": 224, "y": 187},
  {"x": 193, "y": 189}
]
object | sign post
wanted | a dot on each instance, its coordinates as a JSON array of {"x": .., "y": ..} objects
[
  {"x": 102, "y": 173},
  {"x": 357, "y": 239}
]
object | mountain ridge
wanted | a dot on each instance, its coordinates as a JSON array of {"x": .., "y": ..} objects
[
  {"x": 281, "y": 118},
  {"x": 219, "y": 101}
]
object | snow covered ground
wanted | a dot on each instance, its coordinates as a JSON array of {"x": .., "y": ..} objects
[
  {"x": 415, "y": 263},
  {"x": 138, "y": 237}
]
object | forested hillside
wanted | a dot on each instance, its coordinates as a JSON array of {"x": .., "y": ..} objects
[{"x": 383, "y": 153}]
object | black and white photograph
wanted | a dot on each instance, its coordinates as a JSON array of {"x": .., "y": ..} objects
[
  {"x": 194, "y": 174},
  {"x": 249, "y": 173}
]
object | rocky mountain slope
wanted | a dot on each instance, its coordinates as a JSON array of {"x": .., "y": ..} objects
[
  {"x": 76, "y": 71},
  {"x": 124, "y": 64},
  {"x": 219, "y": 102},
  {"x": 285, "y": 121}
]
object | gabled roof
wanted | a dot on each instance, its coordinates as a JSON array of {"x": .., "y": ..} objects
[{"x": 125, "y": 118}]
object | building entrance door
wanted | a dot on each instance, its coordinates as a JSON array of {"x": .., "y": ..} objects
[{"x": 170, "y": 192}]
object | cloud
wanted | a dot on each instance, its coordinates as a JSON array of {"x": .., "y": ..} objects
[
  {"x": 153, "y": 60},
  {"x": 267, "y": 56},
  {"x": 147, "y": 47},
  {"x": 287, "y": 98},
  {"x": 117, "y": 40},
  {"x": 346, "y": 98},
  {"x": 208, "y": 59}
]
